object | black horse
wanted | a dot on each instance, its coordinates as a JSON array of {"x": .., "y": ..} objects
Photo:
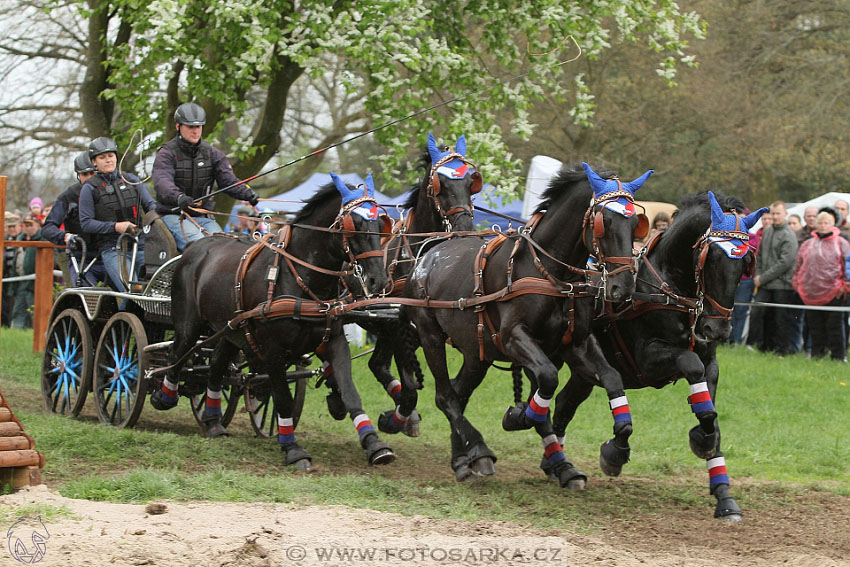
[
  {"x": 440, "y": 202},
  {"x": 220, "y": 280},
  {"x": 521, "y": 302},
  {"x": 679, "y": 313}
]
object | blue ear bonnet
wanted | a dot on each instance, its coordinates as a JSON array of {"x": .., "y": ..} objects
[
  {"x": 367, "y": 210},
  {"x": 454, "y": 168},
  {"x": 726, "y": 222},
  {"x": 622, "y": 205}
]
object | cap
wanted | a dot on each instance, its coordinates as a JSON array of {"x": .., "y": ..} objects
[
  {"x": 37, "y": 202},
  {"x": 12, "y": 218},
  {"x": 30, "y": 220}
]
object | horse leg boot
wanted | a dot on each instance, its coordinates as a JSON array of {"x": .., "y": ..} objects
[
  {"x": 404, "y": 418},
  {"x": 377, "y": 452},
  {"x": 166, "y": 397},
  {"x": 614, "y": 453},
  {"x": 295, "y": 454},
  {"x": 211, "y": 417},
  {"x": 480, "y": 459},
  {"x": 705, "y": 437},
  {"x": 525, "y": 351},
  {"x": 560, "y": 467},
  {"x": 726, "y": 508},
  {"x": 571, "y": 396}
]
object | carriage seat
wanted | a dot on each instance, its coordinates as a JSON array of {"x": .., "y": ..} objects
[{"x": 160, "y": 245}]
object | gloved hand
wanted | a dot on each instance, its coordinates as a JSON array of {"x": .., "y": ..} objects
[
  {"x": 185, "y": 201},
  {"x": 72, "y": 241},
  {"x": 251, "y": 196}
]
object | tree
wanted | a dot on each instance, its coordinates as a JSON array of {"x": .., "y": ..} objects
[{"x": 242, "y": 60}]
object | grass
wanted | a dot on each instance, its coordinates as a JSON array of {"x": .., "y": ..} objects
[{"x": 782, "y": 435}]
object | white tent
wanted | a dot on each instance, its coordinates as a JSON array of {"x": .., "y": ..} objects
[{"x": 541, "y": 170}]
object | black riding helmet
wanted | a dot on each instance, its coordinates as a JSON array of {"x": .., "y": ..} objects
[
  {"x": 83, "y": 164},
  {"x": 102, "y": 145},
  {"x": 190, "y": 114}
]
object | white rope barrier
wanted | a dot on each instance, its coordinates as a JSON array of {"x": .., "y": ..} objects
[
  {"x": 787, "y": 306},
  {"x": 27, "y": 278}
]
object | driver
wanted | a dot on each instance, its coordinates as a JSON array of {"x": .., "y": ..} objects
[
  {"x": 111, "y": 204},
  {"x": 184, "y": 171},
  {"x": 62, "y": 225}
]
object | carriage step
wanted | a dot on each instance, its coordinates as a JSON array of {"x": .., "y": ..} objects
[{"x": 158, "y": 346}]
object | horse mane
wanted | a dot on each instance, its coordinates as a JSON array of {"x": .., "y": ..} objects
[
  {"x": 566, "y": 179},
  {"x": 325, "y": 193},
  {"x": 424, "y": 163}
]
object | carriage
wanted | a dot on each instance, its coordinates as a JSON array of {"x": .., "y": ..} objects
[{"x": 107, "y": 343}]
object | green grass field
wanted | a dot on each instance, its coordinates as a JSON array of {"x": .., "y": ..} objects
[{"x": 783, "y": 421}]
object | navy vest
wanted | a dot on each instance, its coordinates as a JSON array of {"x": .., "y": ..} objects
[{"x": 193, "y": 168}]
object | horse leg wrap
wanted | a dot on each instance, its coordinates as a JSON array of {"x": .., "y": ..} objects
[
  {"x": 700, "y": 398},
  {"x": 717, "y": 474},
  {"x": 704, "y": 445},
  {"x": 391, "y": 421},
  {"x": 212, "y": 404},
  {"x": 166, "y": 397},
  {"x": 285, "y": 431},
  {"x": 394, "y": 390},
  {"x": 526, "y": 416},
  {"x": 620, "y": 410},
  {"x": 726, "y": 508}
]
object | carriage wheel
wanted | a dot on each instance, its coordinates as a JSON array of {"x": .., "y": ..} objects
[
  {"x": 259, "y": 403},
  {"x": 231, "y": 391},
  {"x": 119, "y": 372},
  {"x": 67, "y": 363}
]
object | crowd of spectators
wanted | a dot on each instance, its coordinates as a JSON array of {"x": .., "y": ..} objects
[
  {"x": 18, "y": 295},
  {"x": 802, "y": 262}
]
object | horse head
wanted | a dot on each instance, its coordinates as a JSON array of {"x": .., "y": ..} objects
[
  {"x": 722, "y": 257},
  {"x": 611, "y": 225},
  {"x": 451, "y": 181},
  {"x": 362, "y": 225}
]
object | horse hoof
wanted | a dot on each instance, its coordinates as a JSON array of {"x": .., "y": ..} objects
[
  {"x": 383, "y": 456},
  {"x": 514, "y": 419},
  {"x": 734, "y": 518},
  {"x": 464, "y": 473},
  {"x": 216, "y": 429},
  {"x": 162, "y": 402},
  {"x": 576, "y": 484},
  {"x": 303, "y": 465},
  {"x": 484, "y": 466},
  {"x": 702, "y": 445},
  {"x": 608, "y": 468},
  {"x": 411, "y": 428}
]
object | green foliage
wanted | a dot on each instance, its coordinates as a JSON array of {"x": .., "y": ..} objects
[{"x": 404, "y": 55}]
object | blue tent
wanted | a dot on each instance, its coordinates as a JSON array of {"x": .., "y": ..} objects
[
  {"x": 292, "y": 200},
  {"x": 511, "y": 207}
]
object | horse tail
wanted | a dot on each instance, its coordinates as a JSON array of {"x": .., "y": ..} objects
[
  {"x": 411, "y": 343},
  {"x": 516, "y": 373}
]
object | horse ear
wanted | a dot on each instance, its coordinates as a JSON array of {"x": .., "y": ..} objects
[
  {"x": 370, "y": 186},
  {"x": 433, "y": 150},
  {"x": 596, "y": 182},
  {"x": 751, "y": 219},
  {"x": 717, "y": 216},
  {"x": 633, "y": 186},
  {"x": 347, "y": 194},
  {"x": 460, "y": 147}
]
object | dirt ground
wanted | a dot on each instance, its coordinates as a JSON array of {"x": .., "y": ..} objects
[{"x": 810, "y": 532}]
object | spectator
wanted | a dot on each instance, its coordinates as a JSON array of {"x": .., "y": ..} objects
[
  {"x": 37, "y": 210},
  {"x": 809, "y": 216},
  {"x": 660, "y": 223},
  {"x": 821, "y": 278},
  {"x": 109, "y": 207},
  {"x": 837, "y": 217},
  {"x": 795, "y": 223},
  {"x": 62, "y": 226},
  {"x": 774, "y": 270},
  {"x": 184, "y": 172},
  {"x": 843, "y": 211},
  {"x": 12, "y": 231},
  {"x": 25, "y": 266}
]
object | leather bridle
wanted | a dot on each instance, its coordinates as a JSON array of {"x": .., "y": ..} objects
[{"x": 434, "y": 188}]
